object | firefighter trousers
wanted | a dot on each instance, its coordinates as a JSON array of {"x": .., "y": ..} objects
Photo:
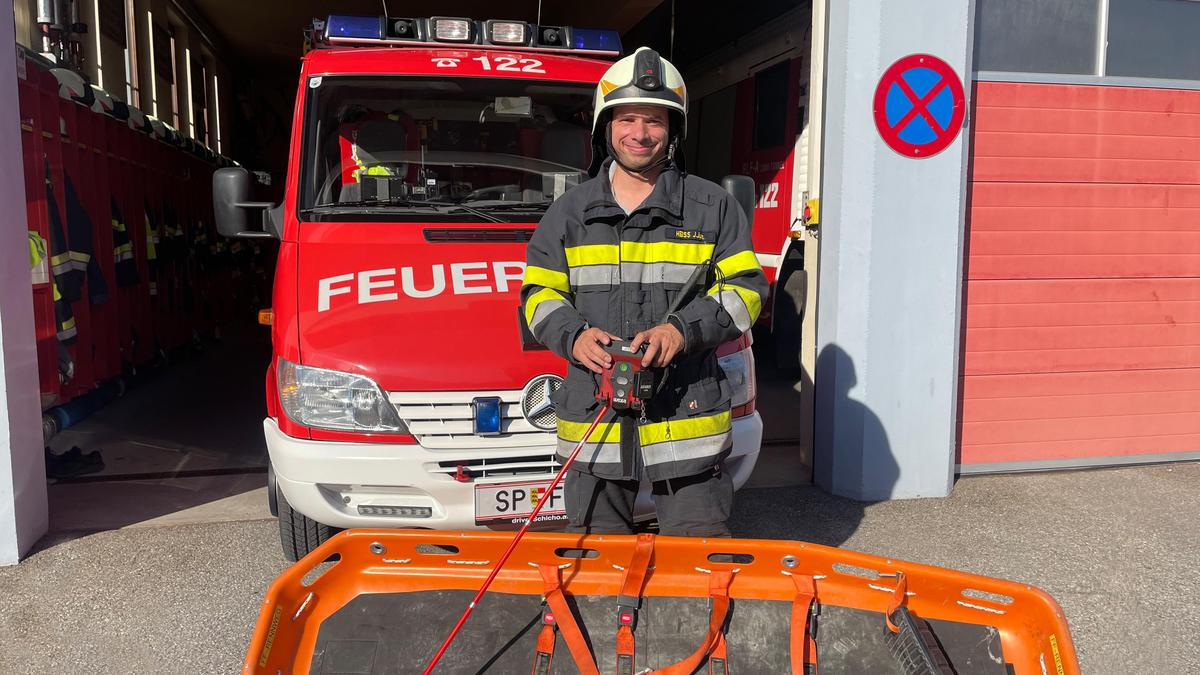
[{"x": 692, "y": 506}]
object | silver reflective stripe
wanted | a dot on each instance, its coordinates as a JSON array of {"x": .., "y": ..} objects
[
  {"x": 64, "y": 335},
  {"x": 733, "y": 303},
  {"x": 656, "y": 273},
  {"x": 593, "y": 275},
  {"x": 544, "y": 309},
  {"x": 598, "y": 453},
  {"x": 687, "y": 449}
]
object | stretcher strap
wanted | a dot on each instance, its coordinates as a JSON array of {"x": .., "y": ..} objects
[
  {"x": 629, "y": 602},
  {"x": 898, "y": 595},
  {"x": 803, "y": 643},
  {"x": 580, "y": 651},
  {"x": 718, "y": 592},
  {"x": 545, "y": 645},
  {"x": 718, "y": 661}
]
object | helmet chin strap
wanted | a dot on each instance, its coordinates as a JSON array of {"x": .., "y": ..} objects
[{"x": 667, "y": 158}]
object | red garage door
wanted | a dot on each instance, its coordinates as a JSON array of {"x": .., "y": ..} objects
[{"x": 1082, "y": 341}]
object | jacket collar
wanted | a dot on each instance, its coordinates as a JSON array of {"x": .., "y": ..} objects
[{"x": 666, "y": 198}]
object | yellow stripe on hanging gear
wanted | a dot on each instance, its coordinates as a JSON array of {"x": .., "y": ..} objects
[
  {"x": 592, "y": 254},
  {"x": 540, "y": 276},
  {"x": 118, "y": 225},
  {"x": 542, "y": 296},
  {"x": 684, "y": 429},
  {"x": 609, "y": 432},
  {"x": 738, "y": 263},
  {"x": 666, "y": 251}
]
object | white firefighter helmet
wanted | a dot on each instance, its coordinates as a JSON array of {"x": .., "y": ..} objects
[{"x": 643, "y": 78}]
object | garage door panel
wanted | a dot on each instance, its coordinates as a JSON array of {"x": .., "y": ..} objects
[
  {"x": 998, "y": 144},
  {"x": 1028, "y": 193},
  {"x": 1083, "y": 428},
  {"x": 1081, "y": 267},
  {"x": 1082, "y": 291},
  {"x": 1036, "y": 385},
  {"x": 1025, "y": 408},
  {"x": 1054, "y": 242},
  {"x": 1052, "y": 169},
  {"x": 1082, "y": 337},
  {"x": 1096, "y": 122},
  {"x": 1073, "y": 97},
  {"x": 1085, "y": 449},
  {"x": 1129, "y": 221},
  {"x": 1083, "y": 314},
  {"x": 1082, "y": 326},
  {"x": 1070, "y": 360}
]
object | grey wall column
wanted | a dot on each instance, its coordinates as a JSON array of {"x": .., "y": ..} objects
[
  {"x": 23, "y": 514},
  {"x": 891, "y": 264}
]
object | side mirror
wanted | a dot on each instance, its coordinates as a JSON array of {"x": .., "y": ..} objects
[
  {"x": 231, "y": 193},
  {"x": 742, "y": 189}
]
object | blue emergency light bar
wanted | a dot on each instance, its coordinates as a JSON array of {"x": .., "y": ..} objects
[{"x": 344, "y": 29}]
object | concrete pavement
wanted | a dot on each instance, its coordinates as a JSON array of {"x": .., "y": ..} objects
[{"x": 1117, "y": 549}]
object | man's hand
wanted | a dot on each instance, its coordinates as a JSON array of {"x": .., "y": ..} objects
[
  {"x": 663, "y": 343},
  {"x": 587, "y": 349}
]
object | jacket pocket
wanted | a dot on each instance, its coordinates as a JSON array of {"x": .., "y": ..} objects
[
  {"x": 705, "y": 396},
  {"x": 576, "y": 399}
]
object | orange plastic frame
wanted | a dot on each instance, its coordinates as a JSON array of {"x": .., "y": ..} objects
[{"x": 1032, "y": 626}]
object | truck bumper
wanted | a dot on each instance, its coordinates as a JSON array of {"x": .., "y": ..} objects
[{"x": 330, "y": 481}]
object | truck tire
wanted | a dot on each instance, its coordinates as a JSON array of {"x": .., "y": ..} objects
[{"x": 298, "y": 533}]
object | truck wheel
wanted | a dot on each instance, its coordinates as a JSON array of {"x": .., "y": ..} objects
[
  {"x": 788, "y": 333},
  {"x": 298, "y": 533}
]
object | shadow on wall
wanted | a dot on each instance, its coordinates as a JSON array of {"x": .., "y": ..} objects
[{"x": 853, "y": 456}]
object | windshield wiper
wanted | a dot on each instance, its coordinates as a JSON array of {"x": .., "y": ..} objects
[
  {"x": 513, "y": 206},
  {"x": 469, "y": 209},
  {"x": 383, "y": 206}
]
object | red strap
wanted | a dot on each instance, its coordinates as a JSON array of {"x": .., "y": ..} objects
[
  {"x": 629, "y": 601},
  {"x": 584, "y": 660},
  {"x": 803, "y": 645},
  {"x": 545, "y": 645},
  {"x": 718, "y": 591},
  {"x": 718, "y": 661},
  {"x": 898, "y": 595}
]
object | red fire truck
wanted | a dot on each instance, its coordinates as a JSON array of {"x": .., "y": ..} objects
[{"x": 423, "y": 153}]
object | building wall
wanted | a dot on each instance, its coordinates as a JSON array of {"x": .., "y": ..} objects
[{"x": 1082, "y": 340}]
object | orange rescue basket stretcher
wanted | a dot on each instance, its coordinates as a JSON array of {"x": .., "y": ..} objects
[{"x": 569, "y": 603}]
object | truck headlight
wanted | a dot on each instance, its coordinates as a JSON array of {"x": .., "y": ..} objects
[
  {"x": 739, "y": 370},
  {"x": 330, "y": 399}
]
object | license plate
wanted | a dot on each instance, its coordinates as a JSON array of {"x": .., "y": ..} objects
[{"x": 513, "y": 502}]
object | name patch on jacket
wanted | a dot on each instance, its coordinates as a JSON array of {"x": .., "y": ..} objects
[{"x": 687, "y": 235}]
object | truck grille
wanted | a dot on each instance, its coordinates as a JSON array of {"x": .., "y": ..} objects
[
  {"x": 443, "y": 420},
  {"x": 506, "y": 467}
]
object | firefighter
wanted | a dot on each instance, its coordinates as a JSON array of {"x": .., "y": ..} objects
[{"x": 608, "y": 260}]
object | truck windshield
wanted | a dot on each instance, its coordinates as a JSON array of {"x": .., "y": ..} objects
[{"x": 405, "y": 148}]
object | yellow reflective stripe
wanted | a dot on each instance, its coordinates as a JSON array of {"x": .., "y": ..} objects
[
  {"x": 752, "y": 299},
  {"x": 67, "y": 325},
  {"x": 540, "y": 276},
  {"x": 666, "y": 251},
  {"x": 738, "y": 263},
  {"x": 118, "y": 225},
  {"x": 57, "y": 295},
  {"x": 684, "y": 429},
  {"x": 537, "y": 299},
  {"x": 59, "y": 259},
  {"x": 592, "y": 254},
  {"x": 609, "y": 432}
]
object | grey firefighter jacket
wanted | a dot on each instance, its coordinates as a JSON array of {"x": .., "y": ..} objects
[{"x": 590, "y": 264}]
